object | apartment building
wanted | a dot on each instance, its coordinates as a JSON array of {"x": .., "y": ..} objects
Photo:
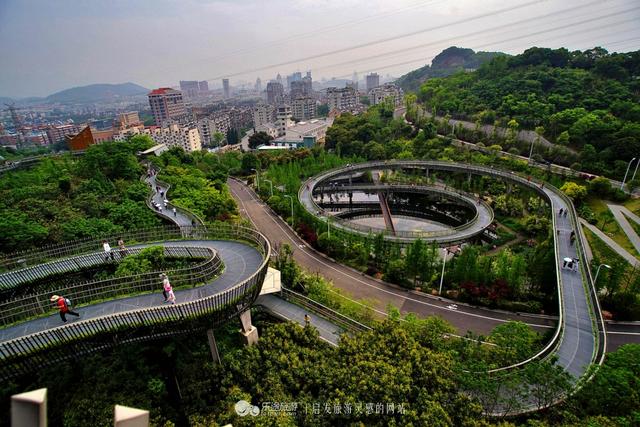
[
  {"x": 386, "y": 91},
  {"x": 344, "y": 99},
  {"x": 303, "y": 108},
  {"x": 186, "y": 137},
  {"x": 263, "y": 114},
  {"x": 166, "y": 104}
]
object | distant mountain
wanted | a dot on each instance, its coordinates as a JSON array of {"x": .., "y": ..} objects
[
  {"x": 97, "y": 93},
  {"x": 5, "y": 100},
  {"x": 449, "y": 61}
]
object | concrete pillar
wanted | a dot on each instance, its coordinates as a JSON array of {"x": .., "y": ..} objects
[
  {"x": 213, "y": 347},
  {"x": 124, "y": 416},
  {"x": 29, "y": 409},
  {"x": 248, "y": 331},
  {"x": 350, "y": 201},
  {"x": 427, "y": 172},
  {"x": 469, "y": 178}
]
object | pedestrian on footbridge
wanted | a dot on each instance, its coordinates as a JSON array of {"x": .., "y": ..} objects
[
  {"x": 167, "y": 289},
  {"x": 307, "y": 319},
  {"x": 64, "y": 305},
  {"x": 107, "y": 251}
]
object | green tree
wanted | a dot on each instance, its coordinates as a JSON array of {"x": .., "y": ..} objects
[
  {"x": 259, "y": 138},
  {"x": 574, "y": 191}
]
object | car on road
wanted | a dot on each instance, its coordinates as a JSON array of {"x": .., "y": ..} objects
[{"x": 452, "y": 306}]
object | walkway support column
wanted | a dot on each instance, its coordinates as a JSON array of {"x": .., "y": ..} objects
[
  {"x": 213, "y": 347},
  {"x": 29, "y": 409},
  {"x": 123, "y": 416},
  {"x": 248, "y": 331}
]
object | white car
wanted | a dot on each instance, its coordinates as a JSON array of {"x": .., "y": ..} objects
[{"x": 452, "y": 306}]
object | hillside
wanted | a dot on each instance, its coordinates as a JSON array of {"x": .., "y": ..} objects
[
  {"x": 447, "y": 62},
  {"x": 586, "y": 100},
  {"x": 97, "y": 93}
]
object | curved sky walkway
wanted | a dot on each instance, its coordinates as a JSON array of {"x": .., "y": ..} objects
[
  {"x": 233, "y": 291},
  {"x": 240, "y": 262},
  {"x": 482, "y": 219},
  {"x": 579, "y": 339}
]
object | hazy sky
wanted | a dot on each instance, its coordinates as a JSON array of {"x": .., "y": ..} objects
[{"x": 50, "y": 45}]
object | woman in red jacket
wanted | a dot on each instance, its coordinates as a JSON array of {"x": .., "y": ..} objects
[{"x": 61, "y": 302}]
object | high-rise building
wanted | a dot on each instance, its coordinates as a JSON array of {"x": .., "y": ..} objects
[
  {"x": 308, "y": 84},
  {"x": 203, "y": 86},
  {"x": 283, "y": 119},
  {"x": 279, "y": 78},
  {"x": 225, "y": 88},
  {"x": 263, "y": 114},
  {"x": 190, "y": 88},
  {"x": 297, "y": 89},
  {"x": 386, "y": 91},
  {"x": 303, "y": 108},
  {"x": 166, "y": 104},
  {"x": 258, "y": 85},
  {"x": 344, "y": 99},
  {"x": 373, "y": 80},
  {"x": 275, "y": 93}
]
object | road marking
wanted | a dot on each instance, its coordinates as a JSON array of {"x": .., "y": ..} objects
[{"x": 315, "y": 257}]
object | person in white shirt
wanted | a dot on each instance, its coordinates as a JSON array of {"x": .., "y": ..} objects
[{"x": 107, "y": 250}]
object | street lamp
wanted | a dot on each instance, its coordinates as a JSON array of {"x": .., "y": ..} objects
[
  {"x": 595, "y": 280},
  {"x": 270, "y": 186},
  {"x": 257, "y": 178},
  {"x": 635, "y": 170},
  {"x": 625, "y": 174},
  {"x": 328, "y": 228},
  {"x": 444, "y": 262},
  {"x": 292, "y": 219}
]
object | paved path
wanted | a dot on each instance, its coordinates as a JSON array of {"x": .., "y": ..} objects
[
  {"x": 288, "y": 311},
  {"x": 360, "y": 286},
  {"x": 577, "y": 343},
  {"x": 611, "y": 243},
  {"x": 240, "y": 261},
  {"x": 620, "y": 213}
]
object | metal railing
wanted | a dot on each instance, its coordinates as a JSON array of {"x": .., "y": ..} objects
[
  {"x": 45, "y": 253},
  {"x": 28, "y": 306},
  {"x": 167, "y": 187},
  {"x": 451, "y": 193},
  {"x": 21, "y": 355},
  {"x": 339, "y": 319},
  {"x": 14, "y": 278},
  {"x": 553, "y": 344}
]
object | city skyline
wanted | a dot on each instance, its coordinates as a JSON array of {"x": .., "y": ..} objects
[{"x": 159, "y": 43}]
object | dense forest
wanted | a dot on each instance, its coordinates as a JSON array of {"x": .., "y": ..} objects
[
  {"x": 66, "y": 198},
  {"x": 586, "y": 101},
  {"x": 400, "y": 373}
]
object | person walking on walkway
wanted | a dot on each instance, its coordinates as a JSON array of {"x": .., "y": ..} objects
[
  {"x": 107, "y": 250},
  {"x": 175, "y": 212},
  {"x": 166, "y": 286},
  {"x": 560, "y": 212},
  {"x": 307, "y": 319},
  {"x": 122, "y": 248},
  {"x": 64, "y": 306}
]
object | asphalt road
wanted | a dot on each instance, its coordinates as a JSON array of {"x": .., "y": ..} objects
[{"x": 464, "y": 318}]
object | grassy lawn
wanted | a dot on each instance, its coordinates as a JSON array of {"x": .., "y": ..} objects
[
  {"x": 633, "y": 205},
  {"x": 601, "y": 251},
  {"x": 612, "y": 229}
]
